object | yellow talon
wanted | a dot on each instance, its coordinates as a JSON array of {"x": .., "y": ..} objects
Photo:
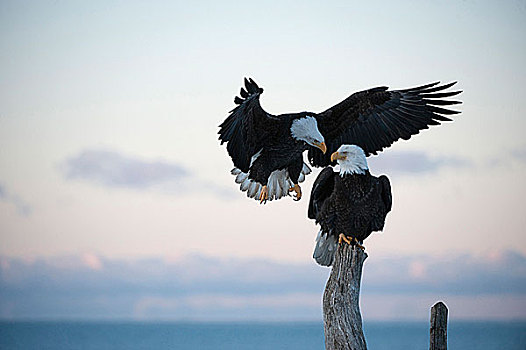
[
  {"x": 358, "y": 244},
  {"x": 342, "y": 237},
  {"x": 263, "y": 197},
  {"x": 296, "y": 188}
]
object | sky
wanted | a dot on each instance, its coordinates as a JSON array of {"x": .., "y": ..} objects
[{"x": 110, "y": 111}]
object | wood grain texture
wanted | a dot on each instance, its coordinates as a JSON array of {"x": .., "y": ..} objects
[
  {"x": 341, "y": 309},
  {"x": 438, "y": 329}
]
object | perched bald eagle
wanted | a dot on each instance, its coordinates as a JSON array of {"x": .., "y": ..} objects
[
  {"x": 350, "y": 205},
  {"x": 267, "y": 149}
]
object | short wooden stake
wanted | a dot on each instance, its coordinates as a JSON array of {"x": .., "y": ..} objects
[{"x": 438, "y": 329}]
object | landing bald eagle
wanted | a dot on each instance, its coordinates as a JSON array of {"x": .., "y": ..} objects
[
  {"x": 350, "y": 205},
  {"x": 267, "y": 149}
]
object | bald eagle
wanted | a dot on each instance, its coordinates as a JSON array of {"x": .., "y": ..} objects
[
  {"x": 267, "y": 150},
  {"x": 348, "y": 206}
]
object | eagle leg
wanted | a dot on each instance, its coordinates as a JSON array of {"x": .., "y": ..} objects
[
  {"x": 344, "y": 238},
  {"x": 357, "y": 243},
  {"x": 263, "y": 197},
  {"x": 296, "y": 188}
]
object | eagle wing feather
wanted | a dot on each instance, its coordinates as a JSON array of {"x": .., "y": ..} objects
[
  {"x": 374, "y": 119},
  {"x": 321, "y": 190},
  {"x": 246, "y": 128},
  {"x": 387, "y": 197}
]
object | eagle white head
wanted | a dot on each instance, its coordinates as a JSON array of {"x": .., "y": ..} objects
[
  {"x": 306, "y": 129},
  {"x": 351, "y": 159}
]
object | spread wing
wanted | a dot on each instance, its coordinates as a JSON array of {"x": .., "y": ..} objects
[
  {"x": 374, "y": 119},
  {"x": 321, "y": 190},
  {"x": 246, "y": 128}
]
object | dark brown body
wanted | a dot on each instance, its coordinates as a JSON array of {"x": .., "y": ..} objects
[{"x": 355, "y": 205}]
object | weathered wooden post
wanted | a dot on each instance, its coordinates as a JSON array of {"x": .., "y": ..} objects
[
  {"x": 438, "y": 329},
  {"x": 341, "y": 309}
]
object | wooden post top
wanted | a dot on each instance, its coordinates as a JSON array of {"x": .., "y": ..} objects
[{"x": 438, "y": 329}]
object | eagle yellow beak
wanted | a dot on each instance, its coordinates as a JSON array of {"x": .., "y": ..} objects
[
  {"x": 337, "y": 155},
  {"x": 321, "y": 146}
]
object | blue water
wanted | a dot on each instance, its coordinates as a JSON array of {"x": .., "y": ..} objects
[{"x": 139, "y": 335}]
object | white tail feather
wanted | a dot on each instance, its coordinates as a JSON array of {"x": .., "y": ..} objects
[
  {"x": 325, "y": 248},
  {"x": 244, "y": 186},
  {"x": 278, "y": 184},
  {"x": 241, "y": 177},
  {"x": 273, "y": 187},
  {"x": 252, "y": 189}
]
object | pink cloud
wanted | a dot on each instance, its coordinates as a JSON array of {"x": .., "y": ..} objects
[{"x": 92, "y": 261}]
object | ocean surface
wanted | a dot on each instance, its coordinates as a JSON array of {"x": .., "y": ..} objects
[{"x": 177, "y": 335}]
